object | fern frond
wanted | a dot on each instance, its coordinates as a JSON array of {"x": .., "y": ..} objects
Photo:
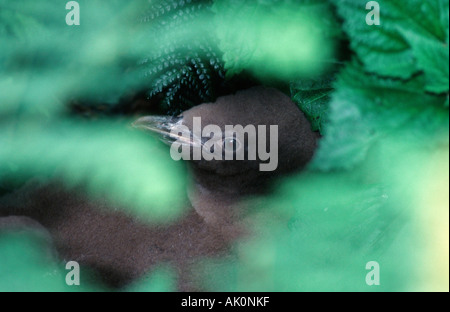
[{"x": 181, "y": 71}]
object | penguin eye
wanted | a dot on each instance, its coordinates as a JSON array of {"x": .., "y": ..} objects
[{"x": 231, "y": 144}]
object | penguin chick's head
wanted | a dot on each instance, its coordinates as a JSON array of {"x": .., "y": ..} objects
[{"x": 252, "y": 134}]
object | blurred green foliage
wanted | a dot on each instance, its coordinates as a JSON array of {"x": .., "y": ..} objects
[
  {"x": 320, "y": 229},
  {"x": 106, "y": 158},
  {"x": 45, "y": 63},
  {"x": 267, "y": 37},
  {"x": 361, "y": 198},
  {"x": 383, "y": 118},
  {"x": 29, "y": 265},
  {"x": 161, "y": 279}
]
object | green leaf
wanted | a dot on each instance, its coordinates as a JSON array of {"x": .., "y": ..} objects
[
  {"x": 313, "y": 97},
  {"x": 366, "y": 108},
  {"x": 433, "y": 59},
  {"x": 387, "y": 49}
]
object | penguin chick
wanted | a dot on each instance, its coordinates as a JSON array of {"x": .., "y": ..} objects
[{"x": 219, "y": 185}]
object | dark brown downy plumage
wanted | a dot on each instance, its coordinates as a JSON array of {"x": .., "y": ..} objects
[{"x": 121, "y": 249}]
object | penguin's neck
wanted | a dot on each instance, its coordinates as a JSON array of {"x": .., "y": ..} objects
[
  {"x": 221, "y": 211},
  {"x": 243, "y": 184},
  {"x": 223, "y": 201}
]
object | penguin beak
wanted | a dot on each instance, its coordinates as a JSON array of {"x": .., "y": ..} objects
[{"x": 167, "y": 128}]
